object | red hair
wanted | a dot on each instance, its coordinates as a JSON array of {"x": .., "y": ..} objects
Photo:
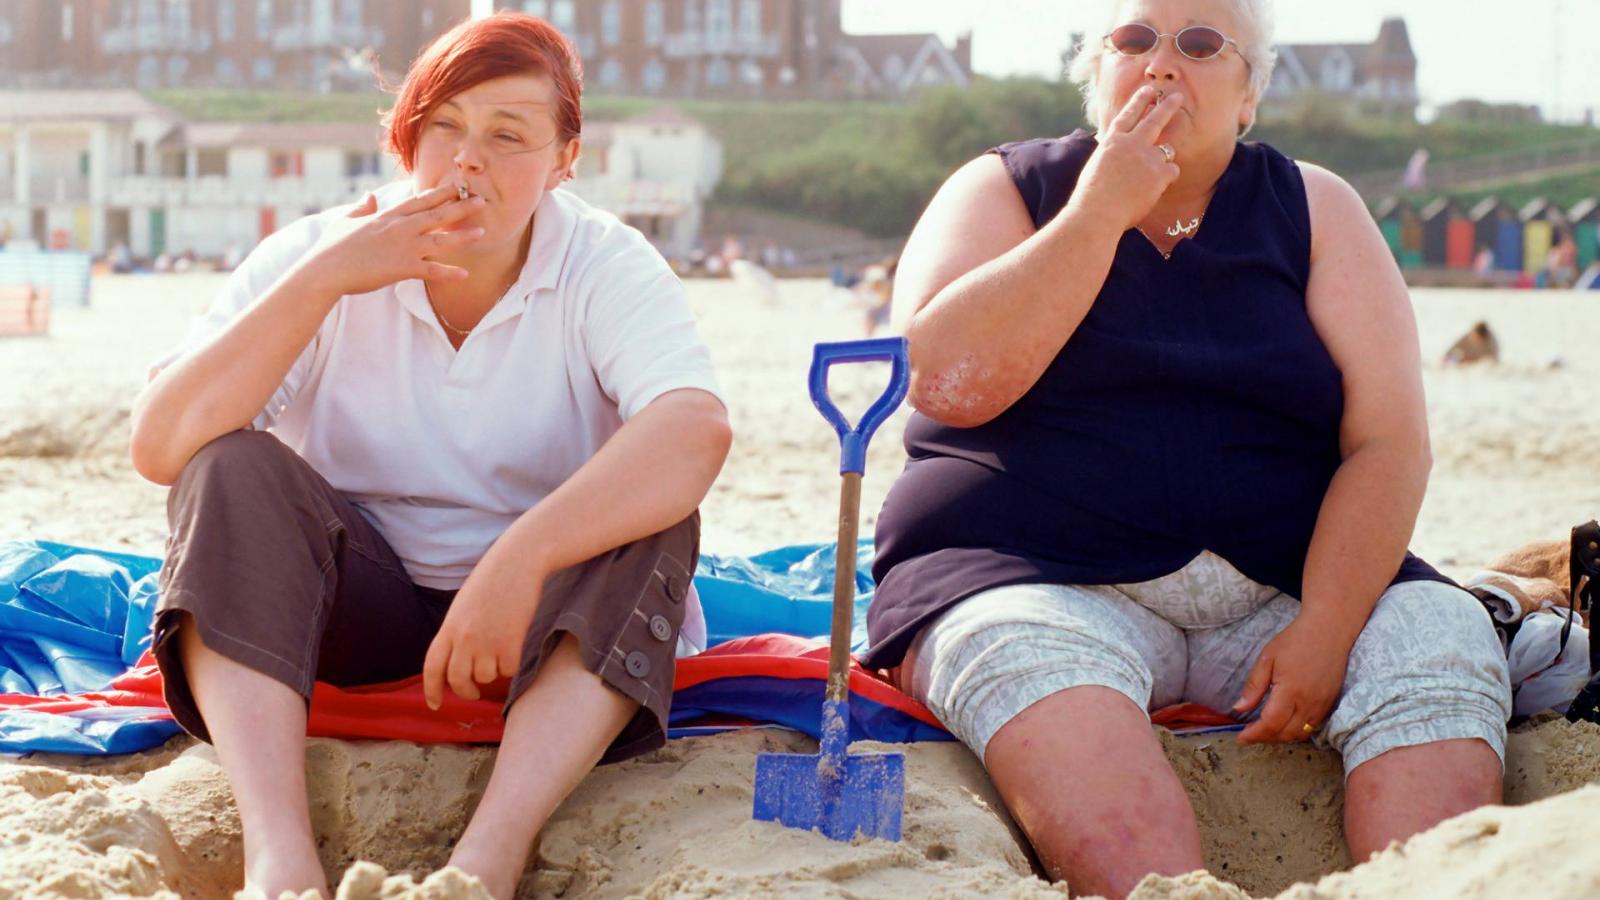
[{"x": 478, "y": 50}]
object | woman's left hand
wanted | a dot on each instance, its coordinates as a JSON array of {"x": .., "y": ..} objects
[
  {"x": 1304, "y": 668},
  {"x": 481, "y": 638}
]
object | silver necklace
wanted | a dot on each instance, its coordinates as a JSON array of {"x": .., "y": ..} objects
[{"x": 1178, "y": 229}]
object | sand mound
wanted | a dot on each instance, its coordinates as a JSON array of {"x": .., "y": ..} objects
[{"x": 676, "y": 823}]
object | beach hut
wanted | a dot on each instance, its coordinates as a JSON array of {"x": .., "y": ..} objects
[
  {"x": 1446, "y": 235},
  {"x": 1495, "y": 225},
  {"x": 1585, "y": 219},
  {"x": 1540, "y": 221},
  {"x": 1402, "y": 230}
]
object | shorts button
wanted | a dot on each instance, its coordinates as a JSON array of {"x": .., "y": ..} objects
[
  {"x": 675, "y": 589},
  {"x": 660, "y": 628},
  {"x": 637, "y": 664}
]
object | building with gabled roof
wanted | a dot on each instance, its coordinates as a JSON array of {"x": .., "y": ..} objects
[{"x": 1380, "y": 76}]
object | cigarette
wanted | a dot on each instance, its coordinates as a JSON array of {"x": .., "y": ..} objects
[{"x": 461, "y": 192}]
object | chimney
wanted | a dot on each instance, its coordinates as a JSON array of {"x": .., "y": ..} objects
[{"x": 964, "y": 52}]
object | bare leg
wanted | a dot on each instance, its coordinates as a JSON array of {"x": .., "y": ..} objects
[
  {"x": 258, "y": 726},
  {"x": 555, "y": 733},
  {"x": 1085, "y": 777},
  {"x": 1411, "y": 789}
]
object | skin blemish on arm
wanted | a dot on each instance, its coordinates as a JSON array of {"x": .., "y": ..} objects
[{"x": 955, "y": 389}]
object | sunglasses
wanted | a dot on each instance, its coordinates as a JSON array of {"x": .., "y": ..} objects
[{"x": 1197, "y": 42}]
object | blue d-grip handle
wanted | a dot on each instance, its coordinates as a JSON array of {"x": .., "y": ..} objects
[{"x": 853, "y": 441}]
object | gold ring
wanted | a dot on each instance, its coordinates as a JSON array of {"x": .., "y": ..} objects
[
  {"x": 1308, "y": 728},
  {"x": 1167, "y": 152}
]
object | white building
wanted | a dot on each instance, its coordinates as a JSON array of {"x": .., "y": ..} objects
[
  {"x": 88, "y": 170},
  {"x": 655, "y": 171}
]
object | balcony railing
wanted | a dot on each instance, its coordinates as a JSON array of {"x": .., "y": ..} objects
[
  {"x": 624, "y": 197},
  {"x": 219, "y": 190},
  {"x": 303, "y": 36},
  {"x": 56, "y": 189},
  {"x": 155, "y": 37},
  {"x": 692, "y": 44}
]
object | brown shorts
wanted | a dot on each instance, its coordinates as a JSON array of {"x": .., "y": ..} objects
[{"x": 281, "y": 573}]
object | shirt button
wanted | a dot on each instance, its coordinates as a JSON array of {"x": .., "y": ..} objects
[
  {"x": 660, "y": 628},
  {"x": 637, "y": 664}
]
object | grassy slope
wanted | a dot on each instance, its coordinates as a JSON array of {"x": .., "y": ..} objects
[{"x": 873, "y": 165}]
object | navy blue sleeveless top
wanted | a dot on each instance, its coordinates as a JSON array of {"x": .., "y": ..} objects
[{"x": 1195, "y": 408}]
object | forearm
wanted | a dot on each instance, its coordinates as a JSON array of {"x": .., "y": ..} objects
[
  {"x": 1362, "y": 533},
  {"x": 984, "y": 340},
  {"x": 652, "y": 474},
  {"x": 222, "y": 386}
]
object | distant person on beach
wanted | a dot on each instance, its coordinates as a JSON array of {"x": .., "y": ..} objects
[
  {"x": 1562, "y": 262},
  {"x": 1483, "y": 262},
  {"x": 460, "y": 427},
  {"x": 1170, "y": 446},
  {"x": 876, "y": 289},
  {"x": 1478, "y": 345}
]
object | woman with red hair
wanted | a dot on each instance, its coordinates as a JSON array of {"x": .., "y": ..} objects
[{"x": 460, "y": 428}]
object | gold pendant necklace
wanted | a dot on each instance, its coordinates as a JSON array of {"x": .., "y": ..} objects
[{"x": 463, "y": 332}]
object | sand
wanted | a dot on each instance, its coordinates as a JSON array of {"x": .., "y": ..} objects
[{"x": 1509, "y": 444}]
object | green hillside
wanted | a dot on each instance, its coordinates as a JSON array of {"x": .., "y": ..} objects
[{"x": 874, "y": 166}]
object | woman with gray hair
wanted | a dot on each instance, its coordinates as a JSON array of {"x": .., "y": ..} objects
[{"x": 1170, "y": 445}]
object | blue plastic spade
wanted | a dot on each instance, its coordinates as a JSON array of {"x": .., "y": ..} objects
[{"x": 836, "y": 792}]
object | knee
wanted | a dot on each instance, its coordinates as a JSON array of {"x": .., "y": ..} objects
[
  {"x": 236, "y": 456},
  {"x": 1434, "y": 629}
]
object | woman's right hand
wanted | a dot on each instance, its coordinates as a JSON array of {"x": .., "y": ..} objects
[
  {"x": 368, "y": 249},
  {"x": 1128, "y": 173}
]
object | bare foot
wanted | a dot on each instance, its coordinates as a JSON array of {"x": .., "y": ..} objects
[
  {"x": 499, "y": 868},
  {"x": 273, "y": 874}
]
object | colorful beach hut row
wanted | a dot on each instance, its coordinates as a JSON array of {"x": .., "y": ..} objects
[{"x": 1447, "y": 234}]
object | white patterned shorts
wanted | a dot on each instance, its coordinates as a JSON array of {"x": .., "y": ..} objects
[{"x": 1427, "y": 666}]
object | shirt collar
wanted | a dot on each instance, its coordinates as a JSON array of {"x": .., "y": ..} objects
[{"x": 548, "y": 250}]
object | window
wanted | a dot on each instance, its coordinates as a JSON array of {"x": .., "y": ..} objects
[
  {"x": 66, "y": 23},
  {"x": 750, "y": 73},
  {"x": 655, "y": 22},
  {"x": 719, "y": 73},
  {"x": 149, "y": 12},
  {"x": 227, "y": 72},
  {"x": 719, "y": 17},
  {"x": 288, "y": 163},
  {"x": 177, "y": 67},
  {"x": 750, "y": 18},
  {"x": 227, "y": 24},
  {"x": 358, "y": 164},
  {"x": 265, "y": 71},
  {"x": 350, "y": 15},
  {"x": 611, "y": 23},
  {"x": 266, "y": 20},
  {"x": 212, "y": 161},
  {"x": 540, "y": 8},
  {"x": 894, "y": 69},
  {"x": 564, "y": 15},
  {"x": 322, "y": 19},
  {"x": 691, "y": 16},
  {"x": 611, "y": 73},
  {"x": 178, "y": 16},
  {"x": 149, "y": 72},
  {"x": 654, "y": 76}
]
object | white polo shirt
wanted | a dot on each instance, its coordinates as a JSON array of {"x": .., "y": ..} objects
[{"x": 442, "y": 448}]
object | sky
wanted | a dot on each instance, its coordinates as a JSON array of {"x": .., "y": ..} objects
[{"x": 1544, "y": 52}]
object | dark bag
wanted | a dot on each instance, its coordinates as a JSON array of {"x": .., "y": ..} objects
[{"x": 1585, "y": 574}]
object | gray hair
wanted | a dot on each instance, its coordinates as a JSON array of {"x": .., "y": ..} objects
[{"x": 1256, "y": 44}]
